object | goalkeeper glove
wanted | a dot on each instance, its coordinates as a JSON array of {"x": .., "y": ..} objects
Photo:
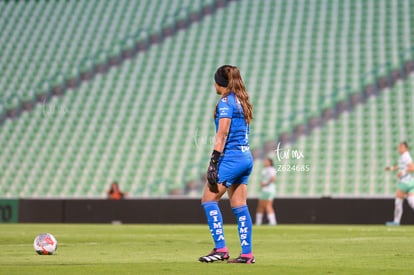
[{"x": 212, "y": 172}]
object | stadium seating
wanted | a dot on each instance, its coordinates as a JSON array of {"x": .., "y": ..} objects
[
  {"x": 347, "y": 156},
  {"x": 40, "y": 39},
  {"x": 148, "y": 123}
]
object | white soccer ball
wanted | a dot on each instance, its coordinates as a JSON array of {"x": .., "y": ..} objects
[{"x": 45, "y": 244}]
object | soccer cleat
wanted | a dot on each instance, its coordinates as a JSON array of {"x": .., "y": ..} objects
[
  {"x": 214, "y": 256},
  {"x": 392, "y": 223},
  {"x": 242, "y": 260}
]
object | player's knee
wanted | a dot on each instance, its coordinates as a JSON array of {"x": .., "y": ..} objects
[
  {"x": 203, "y": 200},
  {"x": 210, "y": 197},
  {"x": 400, "y": 194},
  {"x": 237, "y": 203}
]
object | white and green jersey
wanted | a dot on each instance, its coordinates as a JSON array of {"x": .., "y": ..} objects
[
  {"x": 267, "y": 174},
  {"x": 403, "y": 162}
]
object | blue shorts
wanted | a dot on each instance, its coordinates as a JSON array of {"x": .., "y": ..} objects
[{"x": 235, "y": 168}]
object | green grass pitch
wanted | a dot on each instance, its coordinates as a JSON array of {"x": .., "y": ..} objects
[{"x": 174, "y": 249}]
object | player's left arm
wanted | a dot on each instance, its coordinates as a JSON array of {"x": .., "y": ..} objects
[
  {"x": 222, "y": 133},
  {"x": 221, "y": 137}
]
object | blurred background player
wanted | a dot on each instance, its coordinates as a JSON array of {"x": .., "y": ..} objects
[
  {"x": 114, "y": 193},
  {"x": 405, "y": 187},
  {"x": 267, "y": 194},
  {"x": 230, "y": 166}
]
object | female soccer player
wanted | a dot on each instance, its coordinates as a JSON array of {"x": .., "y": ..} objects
[
  {"x": 268, "y": 191},
  {"x": 230, "y": 165},
  {"x": 405, "y": 187}
]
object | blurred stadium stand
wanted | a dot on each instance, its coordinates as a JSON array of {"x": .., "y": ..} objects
[{"x": 134, "y": 92}]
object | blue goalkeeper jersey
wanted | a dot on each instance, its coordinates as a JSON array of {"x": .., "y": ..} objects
[{"x": 238, "y": 137}]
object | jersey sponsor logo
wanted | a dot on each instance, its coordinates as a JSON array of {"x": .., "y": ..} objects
[
  {"x": 244, "y": 243},
  {"x": 243, "y": 230},
  {"x": 217, "y": 225},
  {"x": 213, "y": 212},
  {"x": 244, "y": 148},
  {"x": 223, "y": 110}
]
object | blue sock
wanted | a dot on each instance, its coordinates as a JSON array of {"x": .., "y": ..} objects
[
  {"x": 215, "y": 222},
  {"x": 245, "y": 228}
]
